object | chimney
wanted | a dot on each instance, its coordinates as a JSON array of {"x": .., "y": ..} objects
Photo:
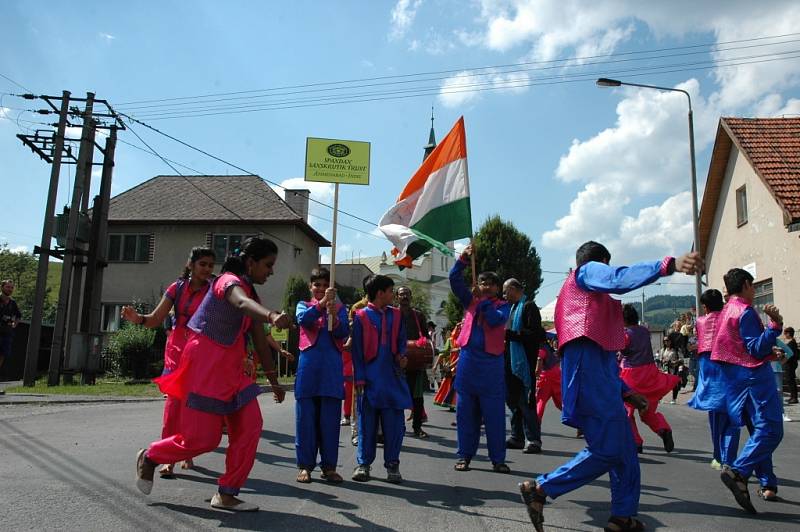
[{"x": 297, "y": 199}]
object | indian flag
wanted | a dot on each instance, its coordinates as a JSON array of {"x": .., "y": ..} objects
[{"x": 434, "y": 206}]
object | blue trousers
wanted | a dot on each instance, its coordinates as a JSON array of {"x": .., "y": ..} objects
[
  {"x": 753, "y": 401},
  {"x": 470, "y": 411},
  {"x": 317, "y": 432},
  {"x": 592, "y": 399},
  {"x": 394, "y": 427},
  {"x": 724, "y": 437},
  {"x": 762, "y": 470}
]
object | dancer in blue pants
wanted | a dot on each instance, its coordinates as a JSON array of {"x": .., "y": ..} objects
[
  {"x": 378, "y": 346},
  {"x": 744, "y": 347},
  {"x": 480, "y": 379},
  {"x": 590, "y": 327},
  {"x": 320, "y": 383}
]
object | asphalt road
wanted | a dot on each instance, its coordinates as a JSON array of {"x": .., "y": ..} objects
[{"x": 71, "y": 467}]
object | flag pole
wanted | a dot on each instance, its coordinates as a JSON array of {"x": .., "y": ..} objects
[
  {"x": 474, "y": 272},
  {"x": 333, "y": 249}
]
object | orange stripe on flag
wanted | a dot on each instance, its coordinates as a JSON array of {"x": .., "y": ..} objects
[{"x": 452, "y": 148}]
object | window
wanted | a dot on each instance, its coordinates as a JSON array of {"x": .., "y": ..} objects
[
  {"x": 741, "y": 206},
  {"x": 224, "y": 245},
  {"x": 110, "y": 319},
  {"x": 129, "y": 248},
  {"x": 764, "y": 296}
]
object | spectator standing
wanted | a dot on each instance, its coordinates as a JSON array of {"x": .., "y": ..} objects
[
  {"x": 9, "y": 318},
  {"x": 790, "y": 368}
]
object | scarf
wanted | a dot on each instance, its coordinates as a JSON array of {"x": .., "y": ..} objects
[{"x": 519, "y": 361}]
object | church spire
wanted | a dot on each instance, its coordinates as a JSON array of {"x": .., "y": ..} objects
[{"x": 431, "y": 140}]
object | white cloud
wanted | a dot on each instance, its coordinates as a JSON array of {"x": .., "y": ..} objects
[
  {"x": 107, "y": 36},
  {"x": 403, "y": 15},
  {"x": 366, "y": 63},
  {"x": 19, "y": 249},
  {"x": 325, "y": 258},
  {"x": 464, "y": 87},
  {"x": 635, "y": 174}
]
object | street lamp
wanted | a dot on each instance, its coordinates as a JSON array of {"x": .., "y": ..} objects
[{"x": 606, "y": 82}]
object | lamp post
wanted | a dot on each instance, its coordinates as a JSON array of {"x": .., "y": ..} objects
[{"x": 605, "y": 82}]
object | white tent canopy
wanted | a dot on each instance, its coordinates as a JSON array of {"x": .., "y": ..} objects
[{"x": 548, "y": 311}]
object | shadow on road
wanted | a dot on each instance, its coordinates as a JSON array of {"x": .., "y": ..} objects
[{"x": 269, "y": 520}]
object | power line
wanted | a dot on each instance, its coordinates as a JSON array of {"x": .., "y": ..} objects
[
  {"x": 223, "y": 161},
  {"x": 178, "y": 107},
  {"x": 500, "y": 66},
  {"x": 463, "y": 88},
  {"x": 23, "y": 87}
]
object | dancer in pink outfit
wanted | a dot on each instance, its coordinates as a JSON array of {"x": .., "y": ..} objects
[
  {"x": 640, "y": 373},
  {"x": 185, "y": 296},
  {"x": 211, "y": 379}
]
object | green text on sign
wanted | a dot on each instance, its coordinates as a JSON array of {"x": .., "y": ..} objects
[
  {"x": 337, "y": 161},
  {"x": 280, "y": 335}
]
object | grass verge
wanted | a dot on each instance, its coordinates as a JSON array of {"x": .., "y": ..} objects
[{"x": 105, "y": 387}]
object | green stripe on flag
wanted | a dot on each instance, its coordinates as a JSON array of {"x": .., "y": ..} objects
[{"x": 443, "y": 224}]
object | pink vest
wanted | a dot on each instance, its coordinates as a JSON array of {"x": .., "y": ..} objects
[
  {"x": 494, "y": 337},
  {"x": 309, "y": 335},
  {"x": 594, "y": 315},
  {"x": 706, "y": 331},
  {"x": 370, "y": 332},
  {"x": 728, "y": 344}
]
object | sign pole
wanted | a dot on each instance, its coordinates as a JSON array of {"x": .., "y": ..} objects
[{"x": 333, "y": 248}]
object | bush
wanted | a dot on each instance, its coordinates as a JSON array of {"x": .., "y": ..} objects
[{"x": 129, "y": 349}]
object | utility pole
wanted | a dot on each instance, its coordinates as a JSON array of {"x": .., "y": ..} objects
[
  {"x": 643, "y": 320},
  {"x": 59, "y": 332},
  {"x": 35, "y": 331},
  {"x": 56, "y": 149},
  {"x": 96, "y": 260}
]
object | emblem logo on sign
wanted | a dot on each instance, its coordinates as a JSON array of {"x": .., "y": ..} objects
[{"x": 338, "y": 150}]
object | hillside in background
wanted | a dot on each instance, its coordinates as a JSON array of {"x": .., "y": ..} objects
[{"x": 662, "y": 310}]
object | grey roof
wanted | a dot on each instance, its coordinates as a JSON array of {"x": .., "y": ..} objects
[{"x": 202, "y": 199}]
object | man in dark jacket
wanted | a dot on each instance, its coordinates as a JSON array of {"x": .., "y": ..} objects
[{"x": 524, "y": 334}]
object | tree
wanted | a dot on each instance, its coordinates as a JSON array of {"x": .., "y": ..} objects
[
  {"x": 502, "y": 248},
  {"x": 420, "y": 297},
  {"x": 21, "y": 267},
  {"x": 453, "y": 310},
  {"x": 296, "y": 290}
]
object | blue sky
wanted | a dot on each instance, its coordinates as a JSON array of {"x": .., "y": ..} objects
[{"x": 564, "y": 162}]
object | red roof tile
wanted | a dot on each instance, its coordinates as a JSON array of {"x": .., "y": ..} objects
[{"x": 773, "y": 147}]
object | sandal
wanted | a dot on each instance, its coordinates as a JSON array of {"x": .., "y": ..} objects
[
  {"x": 332, "y": 476},
  {"x": 531, "y": 497},
  {"x": 501, "y": 468},
  {"x": 304, "y": 476},
  {"x": 738, "y": 486},
  {"x": 421, "y": 434},
  {"x": 166, "y": 471},
  {"x": 462, "y": 465},
  {"x": 768, "y": 493},
  {"x": 187, "y": 464},
  {"x": 624, "y": 524}
]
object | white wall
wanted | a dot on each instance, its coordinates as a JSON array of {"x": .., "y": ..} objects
[{"x": 762, "y": 241}]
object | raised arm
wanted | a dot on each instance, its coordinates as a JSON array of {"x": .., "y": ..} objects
[
  {"x": 152, "y": 320},
  {"x": 307, "y": 314},
  {"x": 757, "y": 340},
  {"x": 457, "y": 283},
  {"x": 237, "y": 297}
]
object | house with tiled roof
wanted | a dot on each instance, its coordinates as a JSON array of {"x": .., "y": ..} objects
[
  {"x": 750, "y": 214},
  {"x": 153, "y": 226}
]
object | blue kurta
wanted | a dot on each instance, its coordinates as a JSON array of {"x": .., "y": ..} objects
[
  {"x": 319, "y": 389},
  {"x": 592, "y": 391},
  {"x": 385, "y": 386},
  {"x": 319, "y": 368},
  {"x": 386, "y": 392},
  {"x": 480, "y": 379},
  {"x": 753, "y": 400}
]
